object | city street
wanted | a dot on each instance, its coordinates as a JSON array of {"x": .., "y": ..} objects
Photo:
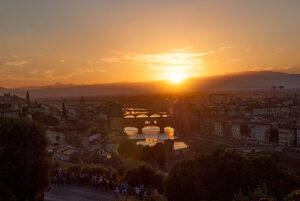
[{"x": 77, "y": 193}]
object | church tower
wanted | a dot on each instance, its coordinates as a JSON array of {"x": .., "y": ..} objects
[{"x": 27, "y": 98}]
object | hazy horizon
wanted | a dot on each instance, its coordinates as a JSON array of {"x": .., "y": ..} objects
[{"x": 186, "y": 80}]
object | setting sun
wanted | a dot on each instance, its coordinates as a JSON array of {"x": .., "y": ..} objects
[{"x": 176, "y": 77}]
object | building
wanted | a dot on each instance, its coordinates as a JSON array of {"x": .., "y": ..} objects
[
  {"x": 218, "y": 129},
  {"x": 11, "y": 105},
  {"x": 285, "y": 137},
  {"x": 221, "y": 128},
  {"x": 218, "y": 98},
  {"x": 298, "y": 137},
  {"x": 239, "y": 129},
  {"x": 236, "y": 130},
  {"x": 116, "y": 124},
  {"x": 74, "y": 133},
  {"x": 64, "y": 152},
  {"x": 259, "y": 131},
  {"x": 274, "y": 111},
  {"x": 55, "y": 137}
]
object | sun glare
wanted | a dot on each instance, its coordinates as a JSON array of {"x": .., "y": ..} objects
[{"x": 176, "y": 77}]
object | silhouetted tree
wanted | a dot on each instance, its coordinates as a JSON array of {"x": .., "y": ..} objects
[
  {"x": 23, "y": 159},
  {"x": 6, "y": 193},
  {"x": 293, "y": 196},
  {"x": 129, "y": 149},
  {"x": 144, "y": 175},
  {"x": 260, "y": 193},
  {"x": 45, "y": 119},
  {"x": 222, "y": 174}
]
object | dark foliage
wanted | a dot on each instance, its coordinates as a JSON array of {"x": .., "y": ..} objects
[
  {"x": 129, "y": 149},
  {"x": 220, "y": 175},
  {"x": 45, "y": 119},
  {"x": 144, "y": 175},
  {"x": 293, "y": 196},
  {"x": 23, "y": 159}
]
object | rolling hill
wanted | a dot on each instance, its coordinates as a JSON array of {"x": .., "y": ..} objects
[{"x": 243, "y": 80}]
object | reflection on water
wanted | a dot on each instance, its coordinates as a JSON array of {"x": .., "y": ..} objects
[
  {"x": 180, "y": 145},
  {"x": 149, "y": 130},
  {"x": 161, "y": 137},
  {"x": 149, "y": 141},
  {"x": 131, "y": 130},
  {"x": 151, "y": 136}
]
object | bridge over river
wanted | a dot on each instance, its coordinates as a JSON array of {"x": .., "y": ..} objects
[{"x": 141, "y": 118}]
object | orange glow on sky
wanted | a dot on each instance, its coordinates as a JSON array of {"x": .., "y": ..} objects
[
  {"x": 176, "y": 77},
  {"x": 89, "y": 42}
]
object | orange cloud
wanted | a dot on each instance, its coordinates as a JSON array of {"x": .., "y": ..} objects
[
  {"x": 184, "y": 58},
  {"x": 16, "y": 63}
]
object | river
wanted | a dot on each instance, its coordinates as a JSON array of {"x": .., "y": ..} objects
[{"x": 151, "y": 135}]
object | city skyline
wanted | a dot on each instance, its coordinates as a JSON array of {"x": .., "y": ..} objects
[
  {"x": 161, "y": 100},
  {"x": 92, "y": 42}
]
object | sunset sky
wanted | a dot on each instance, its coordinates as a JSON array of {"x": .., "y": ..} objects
[{"x": 43, "y": 42}]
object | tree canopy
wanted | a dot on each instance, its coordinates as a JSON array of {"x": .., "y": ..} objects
[
  {"x": 144, "y": 175},
  {"x": 45, "y": 119},
  {"x": 293, "y": 196},
  {"x": 129, "y": 149},
  {"x": 23, "y": 159},
  {"x": 223, "y": 174}
]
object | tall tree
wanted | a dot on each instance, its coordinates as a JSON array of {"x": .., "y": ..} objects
[{"x": 23, "y": 159}]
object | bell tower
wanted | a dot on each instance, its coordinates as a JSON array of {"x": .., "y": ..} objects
[{"x": 27, "y": 98}]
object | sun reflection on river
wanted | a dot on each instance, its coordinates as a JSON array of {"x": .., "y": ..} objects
[{"x": 151, "y": 135}]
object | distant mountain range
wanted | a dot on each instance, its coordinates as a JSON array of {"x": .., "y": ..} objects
[
  {"x": 247, "y": 80},
  {"x": 243, "y": 80}
]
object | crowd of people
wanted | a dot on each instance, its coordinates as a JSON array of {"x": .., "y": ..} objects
[
  {"x": 104, "y": 182},
  {"x": 100, "y": 181}
]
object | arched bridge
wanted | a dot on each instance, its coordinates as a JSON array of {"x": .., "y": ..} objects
[{"x": 143, "y": 118}]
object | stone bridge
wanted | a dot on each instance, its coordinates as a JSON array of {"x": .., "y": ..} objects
[{"x": 140, "y": 120}]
